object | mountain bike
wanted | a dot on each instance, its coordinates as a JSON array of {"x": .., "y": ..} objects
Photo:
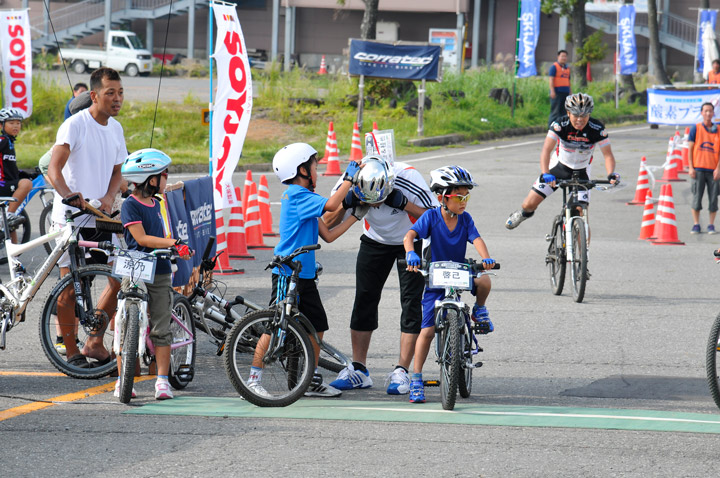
[
  {"x": 132, "y": 326},
  {"x": 276, "y": 340},
  {"x": 215, "y": 316},
  {"x": 456, "y": 342},
  {"x": 568, "y": 237}
]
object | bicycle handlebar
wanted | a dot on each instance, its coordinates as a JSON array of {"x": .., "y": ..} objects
[
  {"x": 476, "y": 266},
  {"x": 278, "y": 261}
]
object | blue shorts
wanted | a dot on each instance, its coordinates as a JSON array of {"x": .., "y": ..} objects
[{"x": 428, "y": 304}]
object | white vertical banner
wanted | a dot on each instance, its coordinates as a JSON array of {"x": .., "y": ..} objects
[
  {"x": 233, "y": 103},
  {"x": 16, "y": 60}
]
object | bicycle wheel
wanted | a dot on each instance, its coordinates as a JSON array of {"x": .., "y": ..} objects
[
  {"x": 555, "y": 258},
  {"x": 711, "y": 361},
  {"x": 22, "y": 230},
  {"x": 45, "y": 225},
  {"x": 182, "y": 358},
  {"x": 131, "y": 335},
  {"x": 93, "y": 279},
  {"x": 465, "y": 378},
  {"x": 331, "y": 358},
  {"x": 579, "y": 263},
  {"x": 450, "y": 358},
  {"x": 285, "y": 378}
]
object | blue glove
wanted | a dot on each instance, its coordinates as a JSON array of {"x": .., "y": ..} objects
[
  {"x": 547, "y": 178},
  {"x": 489, "y": 263},
  {"x": 351, "y": 170},
  {"x": 396, "y": 200},
  {"x": 412, "y": 259},
  {"x": 614, "y": 176},
  {"x": 350, "y": 200}
]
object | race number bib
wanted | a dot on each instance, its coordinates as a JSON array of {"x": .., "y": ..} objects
[
  {"x": 450, "y": 274},
  {"x": 138, "y": 266}
]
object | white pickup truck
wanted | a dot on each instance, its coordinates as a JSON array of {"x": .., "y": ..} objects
[{"x": 123, "y": 52}]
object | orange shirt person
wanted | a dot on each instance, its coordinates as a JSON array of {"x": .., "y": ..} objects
[{"x": 714, "y": 75}]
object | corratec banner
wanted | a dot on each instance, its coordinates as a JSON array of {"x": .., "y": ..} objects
[{"x": 395, "y": 60}]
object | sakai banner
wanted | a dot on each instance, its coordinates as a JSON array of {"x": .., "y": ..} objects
[
  {"x": 16, "y": 60},
  {"x": 388, "y": 60},
  {"x": 708, "y": 19},
  {"x": 626, "y": 39},
  {"x": 233, "y": 103},
  {"x": 678, "y": 107},
  {"x": 528, "y": 37}
]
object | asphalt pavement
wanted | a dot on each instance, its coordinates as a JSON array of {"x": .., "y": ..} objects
[{"x": 635, "y": 345}]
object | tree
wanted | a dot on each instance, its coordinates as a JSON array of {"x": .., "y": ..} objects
[
  {"x": 369, "y": 21},
  {"x": 655, "y": 57},
  {"x": 575, "y": 9}
]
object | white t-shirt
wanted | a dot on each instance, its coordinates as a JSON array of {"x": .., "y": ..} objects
[
  {"x": 389, "y": 226},
  {"x": 94, "y": 151}
]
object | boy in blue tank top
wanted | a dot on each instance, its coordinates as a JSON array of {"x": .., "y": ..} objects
[{"x": 449, "y": 229}]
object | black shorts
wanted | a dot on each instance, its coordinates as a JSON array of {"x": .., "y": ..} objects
[
  {"x": 309, "y": 302},
  {"x": 8, "y": 188}
]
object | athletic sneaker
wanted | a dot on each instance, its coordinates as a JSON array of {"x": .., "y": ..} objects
[
  {"x": 515, "y": 219},
  {"x": 711, "y": 229},
  {"x": 482, "y": 318},
  {"x": 162, "y": 390},
  {"x": 417, "y": 392},
  {"x": 318, "y": 389},
  {"x": 60, "y": 347},
  {"x": 258, "y": 389},
  {"x": 695, "y": 229},
  {"x": 398, "y": 382},
  {"x": 349, "y": 378},
  {"x": 117, "y": 390}
]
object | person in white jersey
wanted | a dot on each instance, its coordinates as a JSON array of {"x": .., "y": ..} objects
[
  {"x": 86, "y": 159},
  {"x": 400, "y": 196}
]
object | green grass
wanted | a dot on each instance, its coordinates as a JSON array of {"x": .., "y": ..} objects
[{"x": 178, "y": 131}]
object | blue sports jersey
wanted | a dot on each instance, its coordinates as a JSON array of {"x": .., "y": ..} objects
[
  {"x": 446, "y": 245},
  {"x": 134, "y": 212},
  {"x": 299, "y": 212}
]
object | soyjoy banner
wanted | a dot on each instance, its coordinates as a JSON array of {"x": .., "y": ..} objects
[
  {"x": 708, "y": 18},
  {"x": 16, "y": 60},
  {"x": 678, "y": 107},
  {"x": 388, "y": 60},
  {"x": 529, "y": 32},
  {"x": 626, "y": 39},
  {"x": 233, "y": 104}
]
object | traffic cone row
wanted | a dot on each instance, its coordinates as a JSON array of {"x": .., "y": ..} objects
[
  {"x": 356, "y": 153},
  {"x": 665, "y": 230},
  {"x": 677, "y": 153},
  {"x": 264, "y": 204},
  {"x": 253, "y": 226},
  {"x": 648, "y": 220},
  {"x": 643, "y": 184},
  {"x": 222, "y": 266},
  {"x": 670, "y": 174},
  {"x": 330, "y": 145},
  {"x": 237, "y": 244},
  {"x": 684, "y": 150}
]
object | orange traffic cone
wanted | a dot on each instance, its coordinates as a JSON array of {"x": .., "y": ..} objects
[
  {"x": 375, "y": 128},
  {"x": 648, "y": 219},
  {"x": 333, "y": 162},
  {"x": 329, "y": 144},
  {"x": 668, "y": 230},
  {"x": 670, "y": 174},
  {"x": 588, "y": 73},
  {"x": 684, "y": 150},
  {"x": 323, "y": 67},
  {"x": 222, "y": 266},
  {"x": 237, "y": 245},
  {"x": 246, "y": 192},
  {"x": 253, "y": 228},
  {"x": 356, "y": 149},
  {"x": 264, "y": 204},
  {"x": 643, "y": 185},
  {"x": 658, "y": 213},
  {"x": 677, "y": 153}
]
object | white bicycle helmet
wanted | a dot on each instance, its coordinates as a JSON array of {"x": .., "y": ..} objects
[
  {"x": 374, "y": 181},
  {"x": 450, "y": 177},
  {"x": 579, "y": 104},
  {"x": 287, "y": 160},
  {"x": 143, "y": 163},
  {"x": 9, "y": 114}
]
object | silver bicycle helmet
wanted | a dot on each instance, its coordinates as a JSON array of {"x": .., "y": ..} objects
[
  {"x": 375, "y": 181},
  {"x": 450, "y": 177},
  {"x": 579, "y": 104},
  {"x": 286, "y": 161},
  {"x": 9, "y": 114},
  {"x": 143, "y": 163}
]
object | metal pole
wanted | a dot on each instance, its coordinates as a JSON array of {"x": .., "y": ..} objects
[
  {"x": 475, "y": 34},
  {"x": 288, "y": 32},
  {"x": 274, "y": 33},
  {"x": 210, "y": 104},
  {"x": 46, "y": 16},
  {"x": 459, "y": 28},
  {"x": 108, "y": 16},
  {"x": 191, "y": 30},
  {"x": 517, "y": 63},
  {"x": 421, "y": 108},
  {"x": 361, "y": 100},
  {"x": 293, "y": 11},
  {"x": 490, "y": 33},
  {"x": 617, "y": 59},
  {"x": 695, "y": 60}
]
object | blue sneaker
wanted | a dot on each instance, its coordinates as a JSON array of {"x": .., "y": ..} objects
[
  {"x": 481, "y": 317},
  {"x": 349, "y": 378},
  {"x": 696, "y": 229},
  {"x": 417, "y": 392},
  {"x": 398, "y": 382}
]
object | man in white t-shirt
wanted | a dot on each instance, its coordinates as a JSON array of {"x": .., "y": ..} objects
[
  {"x": 86, "y": 159},
  {"x": 381, "y": 245}
]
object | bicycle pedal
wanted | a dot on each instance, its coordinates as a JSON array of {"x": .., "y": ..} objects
[
  {"x": 185, "y": 373},
  {"x": 220, "y": 349},
  {"x": 431, "y": 383},
  {"x": 548, "y": 237},
  {"x": 478, "y": 364}
]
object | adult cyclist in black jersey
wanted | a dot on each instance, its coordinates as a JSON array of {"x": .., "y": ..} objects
[{"x": 570, "y": 143}]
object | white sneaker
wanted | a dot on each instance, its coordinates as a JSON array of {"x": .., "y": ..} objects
[
  {"x": 162, "y": 390},
  {"x": 398, "y": 382},
  {"x": 349, "y": 378},
  {"x": 117, "y": 390},
  {"x": 515, "y": 219},
  {"x": 318, "y": 389},
  {"x": 258, "y": 389}
]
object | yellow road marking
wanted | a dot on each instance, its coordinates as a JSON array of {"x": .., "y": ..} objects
[
  {"x": 33, "y": 374},
  {"x": 70, "y": 397}
]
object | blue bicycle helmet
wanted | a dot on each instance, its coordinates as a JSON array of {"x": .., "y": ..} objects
[{"x": 144, "y": 163}]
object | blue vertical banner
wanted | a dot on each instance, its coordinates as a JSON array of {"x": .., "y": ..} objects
[
  {"x": 708, "y": 19},
  {"x": 626, "y": 39},
  {"x": 201, "y": 213},
  {"x": 181, "y": 230},
  {"x": 529, "y": 32}
]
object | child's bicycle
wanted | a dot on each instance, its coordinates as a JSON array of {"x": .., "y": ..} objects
[
  {"x": 456, "y": 340},
  {"x": 277, "y": 340},
  {"x": 215, "y": 316},
  {"x": 132, "y": 325}
]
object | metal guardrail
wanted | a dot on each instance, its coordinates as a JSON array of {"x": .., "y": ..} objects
[{"x": 674, "y": 31}]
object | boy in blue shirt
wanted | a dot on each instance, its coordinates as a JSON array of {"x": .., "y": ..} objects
[
  {"x": 449, "y": 229},
  {"x": 300, "y": 225}
]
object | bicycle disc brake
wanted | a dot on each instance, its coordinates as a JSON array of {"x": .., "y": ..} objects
[{"x": 96, "y": 323}]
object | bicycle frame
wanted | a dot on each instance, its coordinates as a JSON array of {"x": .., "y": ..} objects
[
  {"x": 569, "y": 219},
  {"x": 39, "y": 186}
]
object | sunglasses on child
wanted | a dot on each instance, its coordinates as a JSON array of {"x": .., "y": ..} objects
[{"x": 458, "y": 197}]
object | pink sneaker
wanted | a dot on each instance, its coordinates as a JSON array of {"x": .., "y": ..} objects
[
  {"x": 117, "y": 390},
  {"x": 162, "y": 390}
]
